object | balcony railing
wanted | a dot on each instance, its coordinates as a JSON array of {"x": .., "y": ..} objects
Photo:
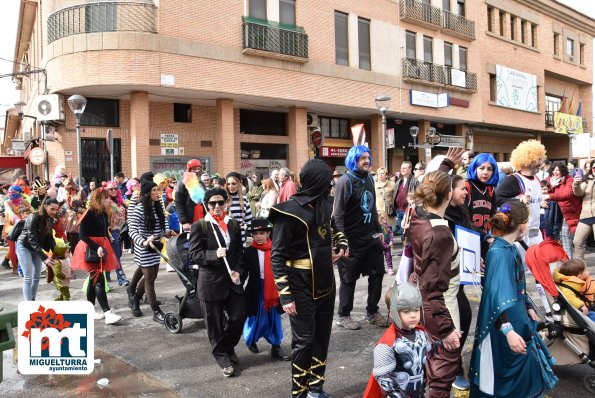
[
  {"x": 434, "y": 73},
  {"x": 434, "y": 17},
  {"x": 418, "y": 11},
  {"x": 109, "y": 16},
  {"x": 275, "y": 38},
  {"x": 458, "y": 24},
  {"x": 549, "y": 119}
]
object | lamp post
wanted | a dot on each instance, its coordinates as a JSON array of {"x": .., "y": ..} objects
[
  {"x": 382, "y": 103},
  {"x": 571, "y": 134},
  {"x": 77, "y": 104}
]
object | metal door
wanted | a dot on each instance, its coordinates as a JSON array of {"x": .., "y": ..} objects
[{"x": 96, "y": 159}]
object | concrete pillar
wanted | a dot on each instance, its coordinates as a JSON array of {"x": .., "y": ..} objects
[
  {"x": 139, "y": 132},
  {"x": 298, "y": 138},
  {"x": 228, "y": 158},
  {"x": 423, "y": 125},
  {"x": 374, "y": 137}
]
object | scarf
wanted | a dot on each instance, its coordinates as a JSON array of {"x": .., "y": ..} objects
[
  {"x": 271, "y": 295},
  {"x": 554, "y": 182},
  {"x": 220, "y": 220}
]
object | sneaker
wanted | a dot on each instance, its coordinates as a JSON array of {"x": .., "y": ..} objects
[
  {"x": 377, "y": 319},
  {"x": 461, "y": 383},
  {"x": 348, "y": 323},
  {"x": 123, "y": 282},
  {"x": 318, "y": 394},
  {"x": 228, "y": 371},
  {"x": 99, "y": 315},
  {"x": 111, "y": 317}
]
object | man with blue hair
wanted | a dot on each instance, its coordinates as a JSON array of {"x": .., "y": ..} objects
[{"x": 355, "y": 215}]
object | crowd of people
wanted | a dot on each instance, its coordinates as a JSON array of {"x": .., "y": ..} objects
[{"x": 264, "y": 247}]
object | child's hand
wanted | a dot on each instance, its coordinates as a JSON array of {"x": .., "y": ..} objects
[{"x": 585, "y": 310}]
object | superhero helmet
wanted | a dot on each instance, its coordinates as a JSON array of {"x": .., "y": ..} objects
[
  {"x": 192, "y": 163},
  {"x": 404, "y": 296}
]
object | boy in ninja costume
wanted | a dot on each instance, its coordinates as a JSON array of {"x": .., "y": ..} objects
[{"x": 400, "y": 354}]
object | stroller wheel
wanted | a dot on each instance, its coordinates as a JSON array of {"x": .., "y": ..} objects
[
  {"x": 173, "y": 322},
  {"x": 589, "y": 382}
]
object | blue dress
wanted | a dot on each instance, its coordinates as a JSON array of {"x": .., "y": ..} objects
[{"x": 497, "y": 371}]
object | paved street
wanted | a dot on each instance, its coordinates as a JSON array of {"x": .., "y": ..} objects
[{"x": 141, "y": 358}]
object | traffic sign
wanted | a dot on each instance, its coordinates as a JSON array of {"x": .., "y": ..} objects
[
  {"x": 37, "y": 156},
  {"x": 317, "y": 138}
]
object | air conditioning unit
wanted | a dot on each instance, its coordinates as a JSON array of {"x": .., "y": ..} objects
[
  {"x": 312, "y": 119},
  {"x": 50, "y": 107}
]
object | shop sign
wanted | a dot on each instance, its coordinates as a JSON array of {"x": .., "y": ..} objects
[
  {"x": 458, "y": 78},
  {"x": 68, "y": 156},
  {"x": 169, "y": 144},
  {"x": 430, "y": 100},
  {"x": 565, "y": 121},
  {"x": 333, "y": 152},
  {"x": 18, "y": 145},
  {"x": 176, "y": 166},
  {"x": 516, "y": 89},
  {"x": 37, "y": 156}
]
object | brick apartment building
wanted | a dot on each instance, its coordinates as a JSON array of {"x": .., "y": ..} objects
[{"x": 242, "y": 84}]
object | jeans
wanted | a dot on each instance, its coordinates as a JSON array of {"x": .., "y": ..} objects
[
  {"x": 117, "y": 247},
  {"x": 31, "y": 264},
  {"x": 398, "y": 228},
  {"x": 567, "y": 238}
]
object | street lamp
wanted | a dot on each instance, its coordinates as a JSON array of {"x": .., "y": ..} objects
[
  {"x": 432, "y": 138},
  {"x": 383, "y": 103},
  {"x": 77, "y": 104},
  {"x": 571, "y": 134}
]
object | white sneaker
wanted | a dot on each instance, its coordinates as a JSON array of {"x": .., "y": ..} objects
[
  {"x": 99, "y": 315},
  {"x": 111, "y": 317}
]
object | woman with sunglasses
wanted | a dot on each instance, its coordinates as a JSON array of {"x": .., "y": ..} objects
[
  {"x": 118, "y": 219},
  {"x": 215, "y": 244},
  {"x": 239, "y": 207},
  {"x": 147, "y": 227}
]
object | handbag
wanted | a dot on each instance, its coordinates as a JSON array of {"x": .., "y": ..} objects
[
  {"x": 91, "y": 256},
  {"x": 390, "y": 209}
]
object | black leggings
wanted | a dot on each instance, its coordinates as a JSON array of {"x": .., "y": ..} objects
[
  {"x": 96, "y": 289},
  {"x": 136, "y": 277},
  {"x": 148, "y": 287},
  {"x": 466, "y": 316}
]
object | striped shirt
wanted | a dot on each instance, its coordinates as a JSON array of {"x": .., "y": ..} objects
[
  {"x": 143, "y": 256},
  {"x": 244, "y": 217}
]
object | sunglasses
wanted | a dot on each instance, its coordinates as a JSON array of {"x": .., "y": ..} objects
[
  {"x": 216, "y": 202},
  {"x": 112, "y": 189}
]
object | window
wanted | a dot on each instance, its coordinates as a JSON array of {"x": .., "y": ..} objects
[
  {"x": 493, "y": 88},
  {"x": 410, "y": 51},
  {"x": 428, "y": 49},
  {"x": 570, "y": 48},
  {"x": 523, "y": 33},
  {"x": 501, "y": 20},
  {"x": 363, "y": 32},
  {"x": 264, "y": 123},
  {"x": 490, "y": 19},
  {"x": 334, "y": 127},
  {"x": 463, "y": 58},
  {"x": 446, "y": 5},
  {"x": 533, "y": 35},
  {"x": 182, "y": 113},
  {"x": 581, "y": 54},
  {"x": 461, "y": 7},
  {"x": 258, "y": 9},
  {"x": 341, "y": 40},
  {"x": 557, "y": 44},
  {"x": 552, "y": 104},
  {"x": 512, "y": 27},
  {"x": 287, "y": 12},
  {"x": 101, "y": 112},
  {"x": 448, "y": 54}
]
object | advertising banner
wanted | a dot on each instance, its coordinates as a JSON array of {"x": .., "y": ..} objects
[
  {"x": 564, "y": 121},
  {"x": 516, "y": 89}
]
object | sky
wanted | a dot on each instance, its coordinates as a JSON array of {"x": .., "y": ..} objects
[{"x": 9, "y": 14}]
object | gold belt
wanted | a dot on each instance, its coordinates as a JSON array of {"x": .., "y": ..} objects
[{"x": 303, "y": 263}]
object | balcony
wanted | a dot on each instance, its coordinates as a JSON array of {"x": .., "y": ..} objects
[
  {"x": 458, "y": 25},
  {"x": 109, "y": 16},
  {"x": 549, "y": 119},
  {"x": 272, "y": 39},
  {"x": 434, "y": 74},
  {"x": 435, "y": 18},
  {"x": 420, "y": 13}
]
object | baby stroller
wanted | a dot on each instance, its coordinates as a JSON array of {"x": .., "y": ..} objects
[
  {"x": 189, "y": 304},
  {"x": 569, "y": 335}
]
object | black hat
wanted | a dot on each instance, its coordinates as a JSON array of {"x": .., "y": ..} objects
[
  {"x": 260, "y": 224},
  {"x": 214, "y": 192},
  {"x": 147, "y": 176},
  {"x": 146, "y": 186},
  {"x": 235, "y": 175}
]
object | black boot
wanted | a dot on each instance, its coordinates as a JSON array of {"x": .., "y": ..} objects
[
  {"x": 276, "y": 353},
  {"x": 253, "y": 348},
  {"x": 6, "y": 263},
  {"x": 136, "y": 307},
  {"x": 158, "y": 315},
  {"x": 130, "y": 297}
]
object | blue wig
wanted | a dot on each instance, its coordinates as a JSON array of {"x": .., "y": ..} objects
[
  {"x": 354, "y": 154},
  {"x": 478, "y": 161}
]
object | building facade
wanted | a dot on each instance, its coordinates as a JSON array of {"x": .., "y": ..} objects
[{"x": 243, "y": 84}]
